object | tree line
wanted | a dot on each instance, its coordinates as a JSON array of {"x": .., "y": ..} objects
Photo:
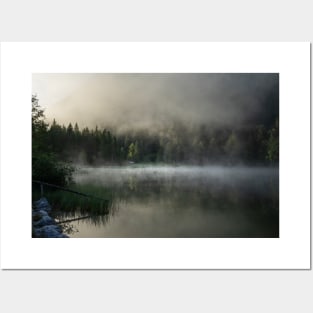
[{"x": 174, "y": 144}]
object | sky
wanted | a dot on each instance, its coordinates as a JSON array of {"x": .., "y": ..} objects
[{"x": 154, "y": 100}]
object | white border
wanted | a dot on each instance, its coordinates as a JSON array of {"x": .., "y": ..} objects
[{"x": 290, "y": 251}]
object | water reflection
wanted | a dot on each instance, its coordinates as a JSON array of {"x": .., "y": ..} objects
[
  {"x": 185, "y": 202},
  {"x": 70, "y": 220}
]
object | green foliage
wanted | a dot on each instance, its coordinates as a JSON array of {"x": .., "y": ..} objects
[
  {"x": 70, "y": 202},
  {"x": 46, "y": 166},
  {"x": 273, "y": 144},
  {"x": 38, "y": 117},
  {"x": 132, "y": 151},
  {"x": 182, "y": 145},
  {"x": 176, "y": 143}
]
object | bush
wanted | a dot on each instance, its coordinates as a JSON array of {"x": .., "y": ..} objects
[{"x": 47, "y": 168}]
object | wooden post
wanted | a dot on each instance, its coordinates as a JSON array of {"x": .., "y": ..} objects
[{"x": 41, "y": 189}]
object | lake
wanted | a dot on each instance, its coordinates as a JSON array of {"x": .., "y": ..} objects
[{"x": 182, "y": 202}]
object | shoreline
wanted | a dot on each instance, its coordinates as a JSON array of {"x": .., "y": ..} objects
[{"x": 43, "y": 225}]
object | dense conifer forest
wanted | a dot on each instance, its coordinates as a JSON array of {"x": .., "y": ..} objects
[{"x": 55, "y": 145}]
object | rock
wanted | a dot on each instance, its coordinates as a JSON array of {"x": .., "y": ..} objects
[
  {"x": 44, "y": 220},
  {"x": 49, "y": 231},
  {"x": 39, "y": 213},
  {"x": 44, "y": 226},
  {"x": 42, "y": 204}
]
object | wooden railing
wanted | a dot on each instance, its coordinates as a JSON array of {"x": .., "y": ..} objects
[{"x": 42, "y": 184}]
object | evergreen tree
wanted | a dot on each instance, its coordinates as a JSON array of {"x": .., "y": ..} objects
[{"x": 46, "y": 166}]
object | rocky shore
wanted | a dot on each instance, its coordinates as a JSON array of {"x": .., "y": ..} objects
[{"x": 43, "y": 225}]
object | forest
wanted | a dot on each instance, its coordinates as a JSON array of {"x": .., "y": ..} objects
[{"x": 56, "y": 146}]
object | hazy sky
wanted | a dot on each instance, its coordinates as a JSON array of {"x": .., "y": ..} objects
[{"x": 140, "y": 101}]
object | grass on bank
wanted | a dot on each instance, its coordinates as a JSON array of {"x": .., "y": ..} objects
[{"x": 67, "y": 202}]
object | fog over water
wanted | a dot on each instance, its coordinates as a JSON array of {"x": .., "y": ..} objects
[
  {"x": 163, "y": 201},
  {"x": 178, "y": 175},
  {"x": 146, "y": 119}
]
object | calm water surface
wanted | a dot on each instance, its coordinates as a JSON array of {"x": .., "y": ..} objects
[{"x": 184, "y": 202}]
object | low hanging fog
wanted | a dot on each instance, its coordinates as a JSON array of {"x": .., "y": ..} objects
[
  {"x": 193, "y": 176},
  {"x": 192, "y": 201},
  {"x": 152, "y": 101},
  {"x": 183, "y": 118},
  {"x": 177, "y": 155}
]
